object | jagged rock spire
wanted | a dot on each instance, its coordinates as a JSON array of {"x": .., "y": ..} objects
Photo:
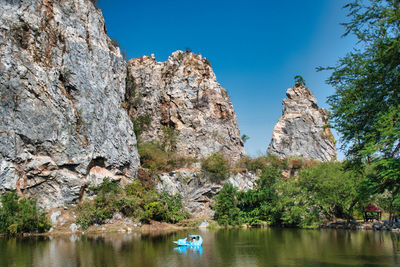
[
  {"x": 303, "y": 128},
  {"x": 183, "y": 92}
]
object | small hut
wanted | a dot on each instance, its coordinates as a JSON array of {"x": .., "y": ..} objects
[{"x": 372, "y": 212}]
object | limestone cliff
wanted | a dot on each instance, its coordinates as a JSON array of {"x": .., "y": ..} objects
[
  {"x": 62, "y": 85},
  {"x": 302, "y": 130},
  {"x": 183, "y": 93}
]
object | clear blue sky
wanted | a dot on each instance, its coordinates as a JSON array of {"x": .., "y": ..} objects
[{"x": 255, "y": 47}]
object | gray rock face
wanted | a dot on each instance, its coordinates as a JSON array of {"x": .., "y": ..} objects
[
  {"x": 62, "y": 85},
  {"x": 54, "y": 216},
  {"x": 73, "y": 227},
  {"x": 196, "y": 189},
  {"x": 183, "y": 93},
  {"x": 302, "y": 129}
]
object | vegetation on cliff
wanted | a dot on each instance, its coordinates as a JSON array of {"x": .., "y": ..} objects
[{"x": 216, "y": 166}]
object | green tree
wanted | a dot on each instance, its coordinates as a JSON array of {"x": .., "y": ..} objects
[
  {"x": 332, "y": 189},
  {"x": 226, "y": 206},
  {"x": 299, "y": 81},
  {"x": 245, "y": 138},
  {"x": 366, "y": 104},
  {"x": 384, "y": 181},
  {"x": 261, "y": 205}
]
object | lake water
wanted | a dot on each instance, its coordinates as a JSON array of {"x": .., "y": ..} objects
[{"x": 235, "y": 247}]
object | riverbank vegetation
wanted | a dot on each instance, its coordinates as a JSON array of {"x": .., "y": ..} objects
[
  {"x": 366, "y": 104},
  {"x": 132, "y": 201},
  {"x": 319, "y": 193},
  {"x": 21, "y": 215}
]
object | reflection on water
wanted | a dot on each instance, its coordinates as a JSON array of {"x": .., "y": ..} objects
[
  {"x": 192, "y": 251},
  {"x": 235, "y": 247}
]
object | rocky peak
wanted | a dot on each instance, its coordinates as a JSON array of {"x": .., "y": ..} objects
[
  {"x": 183, "y": 93},
  {"x": 303, "y": 128},
  {"x": 62, "y": 85}
]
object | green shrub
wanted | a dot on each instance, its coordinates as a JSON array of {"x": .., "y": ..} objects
[
  {"x": 152, "y": 211},
  {"x": 226, "y": 206},
  {"x": 135, "y": 189},
  {"x": 21, "y": 216},
  {"x": 299, "y": 81},
  {"x": 216, "y": 166},
  {"x": 133, "y": 201},
  {"x": 86, "y": 214},
  {"x": 104, "y": 205},
  {"x": 259, "y": 163},
  {"x": 129, "y": 206},
  {"x": 155, "y": 159},
  {"x": 244, "y": 138},
  {"x": 164, "y": 207},
  {"x": 174, "y": 208},
  {"x": 252, "y": 164}
]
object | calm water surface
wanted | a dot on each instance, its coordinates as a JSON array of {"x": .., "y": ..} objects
[{"x": 244, "y": 247}]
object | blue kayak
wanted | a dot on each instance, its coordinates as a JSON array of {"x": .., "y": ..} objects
[{"x": 196, "y": 240}]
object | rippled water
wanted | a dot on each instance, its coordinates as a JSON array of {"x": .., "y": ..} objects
[{"x": 237, "y": 247}]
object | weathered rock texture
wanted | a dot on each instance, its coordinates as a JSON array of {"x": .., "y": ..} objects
[
  {"x": 183, "y": 93},
  {"x": 62, "y": 84},
  {"x": 302, "y": 130},
  {"x": 197, "y": 190}
]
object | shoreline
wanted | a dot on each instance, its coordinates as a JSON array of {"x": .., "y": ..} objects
[{"x": 157, "y": 228}]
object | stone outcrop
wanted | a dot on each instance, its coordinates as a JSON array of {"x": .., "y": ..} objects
[
  {"x": 62, "y": 87},
  {"x": 303, "y": 128},
  {"x": 196, "y": 188},
  {"x": 183, "y": 93}
]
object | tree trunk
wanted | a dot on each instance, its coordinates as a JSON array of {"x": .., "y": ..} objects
[{"x": 391, "y": 213}]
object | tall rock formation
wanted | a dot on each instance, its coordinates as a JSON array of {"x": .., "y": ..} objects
[
  {"x": 302, "y": 130},
  {"x": 183, "y": 93},
  {"x": 62, "y": 85}
]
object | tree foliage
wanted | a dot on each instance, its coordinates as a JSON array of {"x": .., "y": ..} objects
[
  {"x": 299, "y": 81},
  {"x": 132, "y": 201},
  {"x": 18, "y": 216},
  {"x": 226, "y": 207},
  {"x": 366, "y": 104},
  {"x": 330, "y": 189},
  {"x": 383, "y": 181},
  {"x": 245, "y": 138},
  {"x": 321, "y": 192}
]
